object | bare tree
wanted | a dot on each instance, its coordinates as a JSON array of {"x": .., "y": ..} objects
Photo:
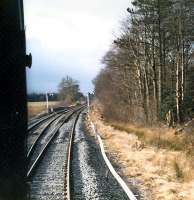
[
  {"x": 68, "y": 90},
  {"x": 148, "y": 64}
]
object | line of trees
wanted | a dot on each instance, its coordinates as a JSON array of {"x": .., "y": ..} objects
[
  {"x": 68, "y": 93},
  {"x": 148, "y": 70},
  {"x": 38, "y": 97}
]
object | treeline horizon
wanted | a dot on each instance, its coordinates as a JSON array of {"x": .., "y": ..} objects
[
  {"x": 41, "y": 96},
  {"x": 68, "y": 92},
  {"x": 149, "y": 70}
]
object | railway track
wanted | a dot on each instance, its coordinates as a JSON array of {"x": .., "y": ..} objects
[
  {"x": 65, "y": 164},
  {"x": 36, "y": 123},
  {"x": 44, "y": 141},
  {"x": 68, "y": 160}
]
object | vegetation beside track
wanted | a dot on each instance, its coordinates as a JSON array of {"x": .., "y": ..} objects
[
  {"x": 35, "y": 108},
  {"x": 157, "y": 159}
]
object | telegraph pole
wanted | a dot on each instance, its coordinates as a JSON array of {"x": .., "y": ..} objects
[
  {"x": 47, "y": 103},
  {"x": 13, "y": 105}
]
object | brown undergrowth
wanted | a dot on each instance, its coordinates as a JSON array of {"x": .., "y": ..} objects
[
  {"x": 35, "y": 108},
  {"x": 160, "y": 137},
  {"x": 160, "y": 160}
]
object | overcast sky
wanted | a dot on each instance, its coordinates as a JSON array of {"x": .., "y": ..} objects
[{"x": 69, "y": 37}]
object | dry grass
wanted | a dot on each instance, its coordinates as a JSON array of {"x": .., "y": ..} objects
[
  {"x": 35, "y": 108},
  {"x": 154, "y": 156},
  {"x": 160, "y": 137}
]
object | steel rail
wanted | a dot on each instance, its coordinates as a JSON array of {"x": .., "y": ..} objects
[
  {"x": 68, "y": 160},
  {"x": 54, "y": 133},
  {"x": 41, "y": 154},
  {"x": 31, "y": 150},
  {"x": 57, "y": 110},
  {"x": 43, "y": 119},
  {"x": 43, "y": 114}
]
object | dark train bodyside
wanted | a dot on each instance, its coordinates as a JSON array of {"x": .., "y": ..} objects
[{"x": 13, "y": 108}]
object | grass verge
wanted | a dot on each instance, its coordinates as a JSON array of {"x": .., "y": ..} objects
[
  {"x": 35, "y": 108},
  {"x": 162, "y": 137}
]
